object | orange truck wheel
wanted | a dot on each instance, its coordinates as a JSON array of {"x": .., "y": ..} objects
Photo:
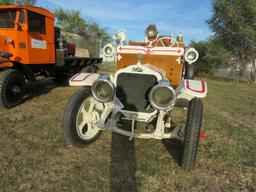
[{"x": 12, "y": 88}]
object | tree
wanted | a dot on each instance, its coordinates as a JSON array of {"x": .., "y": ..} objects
[
  {"x": 201, "y": 66},
  {"x": 6, "y": 2},
  {"x": 213, "y": 55},
  {"x": 70, "y": 21},
  {"x": 234, "y": 23},
  {"x": 100, "y": 32},
  {"x": 17, "y": 2},
  {"x": 93, "y": 35}
]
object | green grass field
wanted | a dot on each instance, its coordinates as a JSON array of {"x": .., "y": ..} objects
[{"x": 34, "y": 156}]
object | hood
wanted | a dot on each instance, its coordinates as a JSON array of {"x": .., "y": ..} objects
[{"x": 146, "y": 69}]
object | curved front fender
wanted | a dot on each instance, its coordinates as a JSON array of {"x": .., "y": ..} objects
[
  {"x": 192, "y": 88},
  {"x": 83, "y": 79}
]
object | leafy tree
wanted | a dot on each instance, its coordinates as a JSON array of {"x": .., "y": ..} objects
[
  {"x": 201, "y": 66},
  {"x": 216, "y": 54},
  {"x": 234, "y": 22},
  {"x": 71, "y": 21},
  {"x": 25, "y": 2},
  {"x": 6, "y": 2},
  {"x": 100, "y": 32},
  {"x": 17, "y": 2},
  {"x": 213, "y": 55}
]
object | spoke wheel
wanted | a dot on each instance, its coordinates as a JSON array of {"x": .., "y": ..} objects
[
  {"x": 80, "y": 119},
  {"x": 86, "y": 121}
]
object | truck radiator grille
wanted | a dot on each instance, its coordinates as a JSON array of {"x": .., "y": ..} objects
[{"x": 133, "y": 90}]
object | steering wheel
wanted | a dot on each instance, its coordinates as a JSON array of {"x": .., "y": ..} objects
[{"x": 161, "y": 40}]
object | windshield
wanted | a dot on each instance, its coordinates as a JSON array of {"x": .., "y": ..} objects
[{"x": 7, "y": 18}]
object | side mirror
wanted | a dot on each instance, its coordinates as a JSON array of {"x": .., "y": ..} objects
[{"x": 24, "y": 26}]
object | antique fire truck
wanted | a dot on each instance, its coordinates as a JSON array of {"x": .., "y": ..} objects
[{"x": 153, "y": 78}]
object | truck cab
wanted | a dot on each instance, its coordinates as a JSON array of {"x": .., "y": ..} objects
[{"x": 26, "y": 35}]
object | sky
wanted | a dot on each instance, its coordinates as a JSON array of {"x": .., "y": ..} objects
[{"x": 170, "y": 16}]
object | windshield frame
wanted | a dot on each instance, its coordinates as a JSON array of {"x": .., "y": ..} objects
[{"x": 8, "y": 18}]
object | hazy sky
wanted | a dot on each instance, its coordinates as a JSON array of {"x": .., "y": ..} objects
[{"x": 170, "y": 16}]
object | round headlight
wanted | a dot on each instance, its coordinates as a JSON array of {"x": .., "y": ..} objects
[
  {"x": 103, "y": 89},
  {"x": 151, "y": 31},
  {"x": 191, "y": 55},
  {"x": 108, "y": 50},
  {"x": 9, "y": 40},
  {"x": 162, "y": 96}
]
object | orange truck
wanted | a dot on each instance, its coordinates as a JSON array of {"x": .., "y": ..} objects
[{"x": 30, "y": 45}]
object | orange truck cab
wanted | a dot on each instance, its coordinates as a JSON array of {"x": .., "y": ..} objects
[
  {"x": 27, "y": 35},
  {"x": 30, "y": 45}
]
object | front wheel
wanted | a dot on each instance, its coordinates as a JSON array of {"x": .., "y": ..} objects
[
  {"x": 192, "y": 131},
  {"x": 80, "y": 119},
  {"x": 12, "y": 88}
]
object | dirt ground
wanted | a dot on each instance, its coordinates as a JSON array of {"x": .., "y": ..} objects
[{"x": 34, "y": 156}]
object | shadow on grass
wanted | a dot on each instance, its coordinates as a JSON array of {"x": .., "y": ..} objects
[
  {"x": 123, "y": 164},
  {"x": 175, "y": 148},
  {"x": 41, "y": 87}
]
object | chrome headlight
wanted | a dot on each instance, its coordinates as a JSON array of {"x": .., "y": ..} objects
[
  {"x": 103, "y": 90},
  {"x": 151, "y": 31},
  {"x": 108, "y": 50},
  {"x": 162, "y": 96},
  {"x": 191, "y": 55},
  {"x": 9, "y": 40}
]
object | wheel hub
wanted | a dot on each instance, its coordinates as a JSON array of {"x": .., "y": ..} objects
[
  {"x": 16, "y": 90},
  {"x": 94, "y": 117},
  {"x": 87, "y": 121}
]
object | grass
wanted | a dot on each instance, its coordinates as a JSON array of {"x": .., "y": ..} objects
[
  {"x": 34, "y": 156},
  {"x": 107, "y": 68}
]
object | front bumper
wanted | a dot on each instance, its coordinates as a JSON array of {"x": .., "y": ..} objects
[{"x": 4, "y": 61}]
